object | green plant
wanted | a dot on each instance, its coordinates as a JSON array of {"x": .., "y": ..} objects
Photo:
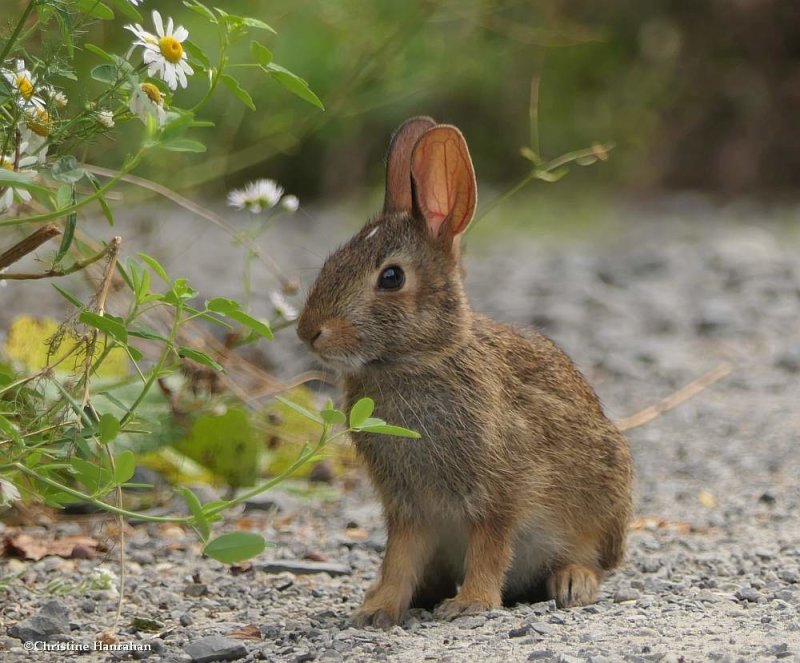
[{"x": 69, "y": 426}]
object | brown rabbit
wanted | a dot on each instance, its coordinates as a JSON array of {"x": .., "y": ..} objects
[{"x": 519, "y": 483}]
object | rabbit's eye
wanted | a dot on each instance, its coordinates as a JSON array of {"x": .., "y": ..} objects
[{"x": 391, "y": 278}]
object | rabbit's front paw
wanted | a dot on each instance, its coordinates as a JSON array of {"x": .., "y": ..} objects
[
  {"x": 461, "y": 607},
  {"x": 375, "y": 614},
  {"x": 573, "y": 585}
]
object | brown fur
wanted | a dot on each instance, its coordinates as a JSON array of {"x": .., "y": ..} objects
[{"x": 519, "y": 480}]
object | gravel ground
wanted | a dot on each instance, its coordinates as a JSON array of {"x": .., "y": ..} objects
[{"x": 713, "y": 568}]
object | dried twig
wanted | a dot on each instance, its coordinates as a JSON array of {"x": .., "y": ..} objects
[
  {"x": 675, "y": 399},
  {"x": 58, "y": 271},
  {"x": 28, "y": 245}
]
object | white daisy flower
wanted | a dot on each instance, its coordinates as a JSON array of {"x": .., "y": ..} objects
[
  {"x": 105, "y": 118},
  {"x": 147, "y": 100},
  {"x": 282, "y": 307},
  {"x": 34, "y": 128},
  {"x": 290, "y": 203},
  {"x": 9, "y": 195},
  {"x": 255, "y": 196},
  {"x": 23, "y": 84},
  {"x": 163, "y": 52}
]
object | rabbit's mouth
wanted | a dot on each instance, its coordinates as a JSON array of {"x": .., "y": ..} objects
[{"x": 347, "y": 363}]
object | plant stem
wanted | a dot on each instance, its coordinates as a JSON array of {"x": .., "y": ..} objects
[
  {"x": 93, "y": 500},
  {"x": 20, "y": 24},
  {"x": 48, "y": 216}
]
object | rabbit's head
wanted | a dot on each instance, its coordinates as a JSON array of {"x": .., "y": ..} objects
[{"x": 393, "y": 294}]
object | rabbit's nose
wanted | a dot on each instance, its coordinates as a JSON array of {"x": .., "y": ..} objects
[{"x": 308, "y": 331}]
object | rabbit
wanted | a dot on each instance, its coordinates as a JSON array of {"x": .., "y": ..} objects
[{"x": 519, "y": 487}]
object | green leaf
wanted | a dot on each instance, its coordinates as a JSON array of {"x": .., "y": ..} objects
[
  {"x": 387, "y": 429},
  {"x": 332, "y": 416},
  {"x": 100, "y": 198},
  {"x": 124, "y": 466},
  {"x": 182, "y": 145},
  {"x": 255, "y": 23},
  {"x": 182, "y": 290},
  {"x": 259, "y": 327},
  {"x": 69, "y": 228},
  {"x": 126, "y": 8},
  {"x": 63, "y": 197},
  {"x": 68, "y": 170},
  {"x": 93, "y": 476},
  {"x": 294, "y": 84},
  {"x": 199, "y": 8},
  {"x": 105, "y": 73},
  {"x": 94, "y": 9},
  {"x": 235, "y": 547},
  {"x": 107, "y": 428},
  {"x": 156, "y": 267},
  {"x": 308, "y": 414},
  {"x": 200, "y": 358},
  {"x": 196, "y": 509},
  {"x": 147, "y": 334},
  {"x": 222, "y": 305},
  {"x": 108, "y": 324},
  {"x": 233, "y": 85},
  {"x": 72, "y": 299},
  {"x": 197, "y": 53},
  {"x": 361, "y": 411},
  {"x": 261, "y": 54},
  {"x": 134, "y": 353}
]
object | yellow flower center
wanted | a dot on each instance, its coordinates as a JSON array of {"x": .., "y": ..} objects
[
  {"x": 24, "y": 86},
  {"x": 152, "y": 92},
  {"x": 171, "y": 49},
  {"x": 39, "y": 122},
  {"x": 8, "y": 165}
]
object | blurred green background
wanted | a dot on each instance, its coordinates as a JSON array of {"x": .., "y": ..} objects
[{"x": 695, "y": 95}]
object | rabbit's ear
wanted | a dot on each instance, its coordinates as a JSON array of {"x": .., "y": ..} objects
[
  {"x": 444, "y": 181},
  {"x": 398, "y": 164}
]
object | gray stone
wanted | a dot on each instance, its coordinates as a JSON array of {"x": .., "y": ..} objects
[
  {"x": 304, "y": 567},
  {"x": 186, "y": 619},
  {"x": 542, "y": 628},
  {"x": 541, "y": 655},
  {"x": 215, "y": 648},
  {"x": 750, "y": 595},
  {"x": 52, "y": 619},
  {"x": 623, "y": 595}
]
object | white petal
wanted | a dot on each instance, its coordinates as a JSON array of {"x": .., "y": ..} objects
[
  {"x": 158, "y": 23},
  {"x": 181, "y": 33},
  {"x": 155, "y": 68},
  {"x": 170, "y": 26},
  {"x": 169, "y": 77},
  {"x": 186, "y": 67},
  {"x": 181, "y": 76}
]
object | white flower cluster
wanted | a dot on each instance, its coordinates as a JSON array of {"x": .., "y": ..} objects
[
  {"x": 33, "y": 127},
  {"x": 261, "y": 195}
]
